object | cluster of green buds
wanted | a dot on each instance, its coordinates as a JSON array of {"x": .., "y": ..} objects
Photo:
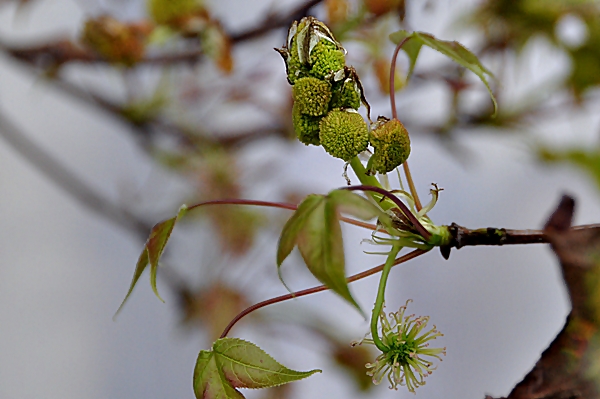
[{"x": 327, "y": 95}]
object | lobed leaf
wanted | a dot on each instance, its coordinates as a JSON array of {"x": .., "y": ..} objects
[
  {"x": 234, "y": 363},
  {"x": 153, "y": 249},
  {"x": 452, "y": 49}
]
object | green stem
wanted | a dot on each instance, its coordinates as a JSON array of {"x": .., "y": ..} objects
[
  {"x": 369, "y": 180},
  {"x": 389, "y": 263},
  {"x": 361, "y": 173}
]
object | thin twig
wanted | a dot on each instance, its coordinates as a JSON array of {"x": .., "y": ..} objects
[
  {"x": 314, "y": 290},
  {"x": 64, "y": 51},
  {"x": 59, "y": 174},
  {"x": 463, "y": 237},
  {"x": 411, "y": 184},
  {"x": 270, "y": 204},
  {"x": 409, "y": 215}
]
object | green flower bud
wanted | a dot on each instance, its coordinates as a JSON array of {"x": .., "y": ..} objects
[
  {"x": 344, "y": 133},
  {"x": 325, "y": 59},
  {"x": 306, "y": 127},
  {"x": 312, "y": 96},
  {"x": 345, "y": 95},
  {"x": 311, "y": 50},
  {"x": 390, "y": 140}
]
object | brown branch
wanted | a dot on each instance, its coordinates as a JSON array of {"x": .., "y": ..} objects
[
  {"x": 273, "y": 22},
  {"x": 60, "y": 175},
  {"x": 146, "y": 128},
  {"x": 462, "y": 237},
  {"x": 53, "y": 54}
]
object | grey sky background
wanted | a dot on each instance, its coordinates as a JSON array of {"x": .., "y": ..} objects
[{"x": 64, "y": 271}]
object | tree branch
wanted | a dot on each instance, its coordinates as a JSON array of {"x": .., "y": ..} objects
[
  {"x": 60, "y": 175},
  {"x": 462, "y": 237},
  {"x": 59, "y": 52}
]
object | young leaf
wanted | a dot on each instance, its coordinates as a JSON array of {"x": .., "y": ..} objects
[
  {"x": 155, "y": 245},
  {"x": 287, "y": 240},
  {"x": 234, "y": 363},
  {"x": 411, "y": 48},
  {"x": 452, "y": 49},
  {"x": 321, "y": 246},
  {"x": 315, "y": 228}
]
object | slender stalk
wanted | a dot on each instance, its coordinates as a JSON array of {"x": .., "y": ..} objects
[
  {"x": 361, "y": 173},
  {"x": 409, "y": 215},
  {"x": 389, "y": 263},
  {"x": 270, "y": 204},
  {"x": 314, "y": 290},
  {"x": 411, "y": 184}
]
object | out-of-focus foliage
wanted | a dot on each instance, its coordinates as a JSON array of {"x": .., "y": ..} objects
[
  {"x": 116, "y": 41},
  {"x": 212, "y": 307},
  {"x": 587, "y": 159},
  {"x": 509, "y": 24},
  {"x": 457, "y": 52}
]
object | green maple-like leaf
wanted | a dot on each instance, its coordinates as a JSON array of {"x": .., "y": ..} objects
[
  {"x": 586, "y": 159},
  {"x": 315, "y": 229},
  {"x": 452, "y": 49},
  {"x": 155, "y": 245},
  {"x": 234, "y": 363}
]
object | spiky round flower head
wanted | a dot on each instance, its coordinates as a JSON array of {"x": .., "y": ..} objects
[
  {"x": 168, "y": 12},
  {"x": 403, "y": 362},
  {"x": 306, "y": 127},
  {"x": 390, "y": 140},
  {"x": 312, "y": 96},
  {"x": 325, "y": 59},
  {"x": 344, "y": 133}
]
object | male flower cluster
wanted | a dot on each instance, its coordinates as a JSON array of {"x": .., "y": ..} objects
[
  {"x": 326, "y": 92},
  {"x": 327, "y": 95}
]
